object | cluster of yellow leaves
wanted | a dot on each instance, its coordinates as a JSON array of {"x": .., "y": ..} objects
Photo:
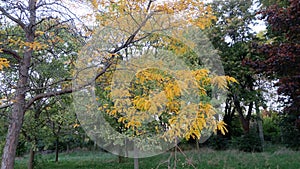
[
  {"x": 186, "y": 119},
  {"x": 76, "y": 125},
  {"x": 190, "y": 11},
  {"x": 3, "y": 63},
  {"x": 31, "y": 45},
  {"x": 222, "y": 81}
]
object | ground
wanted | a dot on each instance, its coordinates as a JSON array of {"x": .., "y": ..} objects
[{"x": 204, "y": 159}]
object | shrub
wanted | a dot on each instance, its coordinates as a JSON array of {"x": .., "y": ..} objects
[
  {"x": 290, "y": 131},
  {"x": 271, "y": 129},
  {"x": 249, "y": 142}
]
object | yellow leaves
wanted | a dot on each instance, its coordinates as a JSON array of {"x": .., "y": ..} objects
[
  {"x": 185, "y": 12},
  {"x": 38, "y": 33},
  {"x": 76, "y": 125},
  {"x": 172, "y": 90},
  {"x": 3, "y": 63},
  {"x": 141, "y": 103},
  {"x": 222, "y": 81},
  {"x": 231, "y": 79},
  {"x": 94, "y": 4},
  {"x": 207, "y": 109},
  {"x": 203, "y": 79},
  {"x": 221, "y": 126},
  {"x": 133, "y": 124},
  {"x": 30, "y": 45},
  {"x": 35, "y": 45},
  {"x": 122, "y": 120},
  {"x": 157, "y": 97}
]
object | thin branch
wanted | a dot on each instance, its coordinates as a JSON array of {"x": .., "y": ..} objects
[
  {"x": 6, "y": 106},
  {"x": 149, "y": 4},
  {"x": 66, "y": 91},
  {"x": 12, "y": 53},
  {"x": 18, "y": 21},
  {"x": 70, "y": 90},
  {"x": 52, "y": 84},
  {"x": 131, "y": 38},
  {"x": 42, "y": 20}
]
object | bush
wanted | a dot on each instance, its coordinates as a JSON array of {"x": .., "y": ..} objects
[
  {"x": 271, "y": 128},
  {"x": 290, "y": 132},
  {"x": 249, "y": 142},
  {"x": 22, "y": 148},
  {"x": 218, "y": 142},
  {"x": 2, "y": 143}
]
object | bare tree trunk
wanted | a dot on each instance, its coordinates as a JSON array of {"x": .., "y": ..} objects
[
  {"x": 136, "y": 157},
  {"x": 244, "y": 120},
  {"x": 31, "y": 159},
  {"x": 197, "y": 144},
  {"x": 260, "y": 126},
  {"x": 56, "y": 149}
]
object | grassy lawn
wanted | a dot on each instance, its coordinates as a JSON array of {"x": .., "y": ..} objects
[{"x": 204, "y": 159}]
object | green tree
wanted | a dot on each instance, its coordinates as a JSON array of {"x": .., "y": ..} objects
[
  {"x": 232, "y": 35},
  {"x": 30, "y": 36}
]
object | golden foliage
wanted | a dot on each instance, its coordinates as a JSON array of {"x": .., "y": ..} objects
[
  {"x": 186, "y": 120},
  {"x": 3, "y": 63},
  {"x": 191, "y": 11},
  {"x": 154, "y": 93}
]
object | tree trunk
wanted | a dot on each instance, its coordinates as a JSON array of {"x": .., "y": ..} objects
[
  {"x": 260, "y": 126},
  {"x": 17, "y": 115},
  {"x": 197, "y": 144},
  {"x": 245, "y": 125},
  {"x": 244, "y": 120},
  {"x": 136, "y": 157},
  {"x": 31, "y": 159},
  {"x": 18, "y": 107},
  {"x": 9, "y": 151},
  {"x": 56, "y": 149},
  {"x": 68, "y": 148}
]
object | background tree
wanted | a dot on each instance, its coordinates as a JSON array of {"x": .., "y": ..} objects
[
  {"x": 281, "y": 59},
  {"x": 33, "y": 42},
  {"x": 231, "y": 34}
]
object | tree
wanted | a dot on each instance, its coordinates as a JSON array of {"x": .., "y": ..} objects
[
  {"x": 29, "y": 18},
  {"x": 130, "y": 107},
  {"x": 232, "y": 35},
  {"x": 32, "y": 43},
  {"x": 281, "y": 56}
]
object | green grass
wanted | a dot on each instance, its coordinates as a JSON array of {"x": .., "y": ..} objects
[{"x": 204, "y": 159}]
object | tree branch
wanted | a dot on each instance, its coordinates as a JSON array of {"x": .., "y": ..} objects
[
  {"x": 69, "y": 90},
  {"x": 12, "y": 53},
  {"x": 18, "y": 21},
  {"x": 6, "y": 105}
]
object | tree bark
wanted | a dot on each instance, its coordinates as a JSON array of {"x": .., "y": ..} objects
[
  {"x": 260, "y": 126},
  {"x": 31, "y": 159},
  {"x": 56, "y": 149},
  {"x": 244, "y": 120},
  {"x": 18, "y": 107},
  {"x": 136, "y": 157}
]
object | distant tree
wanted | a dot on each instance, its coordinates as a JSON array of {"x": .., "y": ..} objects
[
  {"x": 281, "y": 57},
  {"x": 232, "y": 36}
]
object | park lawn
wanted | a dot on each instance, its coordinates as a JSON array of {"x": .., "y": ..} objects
[{"x": 203, "y": 159}]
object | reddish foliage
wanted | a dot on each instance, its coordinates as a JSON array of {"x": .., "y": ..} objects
[{"x": 281, "y": 59}]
